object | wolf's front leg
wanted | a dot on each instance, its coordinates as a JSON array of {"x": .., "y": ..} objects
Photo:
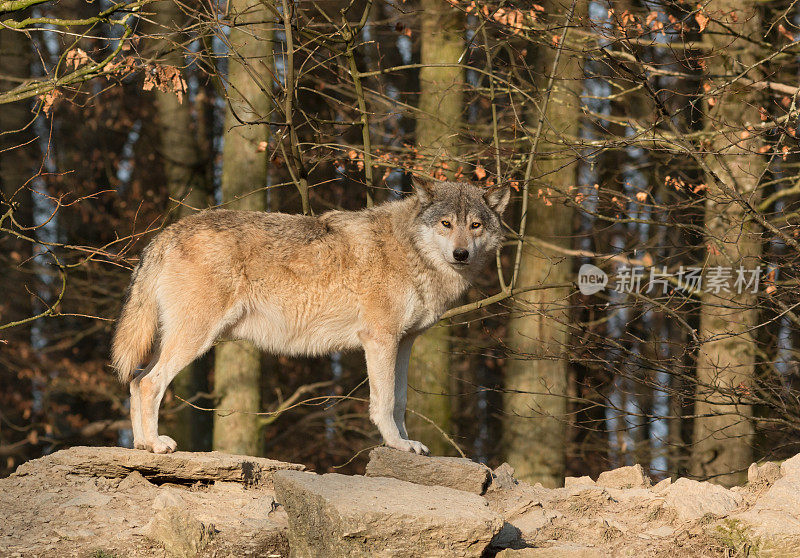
[
  {"x": 381, "y": 354},
  {"x": 401, "y": 383}
]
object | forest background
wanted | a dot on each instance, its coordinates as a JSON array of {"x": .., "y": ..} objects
[{"x": 656, "y": 140}]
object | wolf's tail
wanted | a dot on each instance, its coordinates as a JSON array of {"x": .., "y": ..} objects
[{"x": 136, "y": 327}]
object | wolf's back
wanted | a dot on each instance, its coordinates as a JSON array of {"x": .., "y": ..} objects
[{"x": 136, "y": 327}]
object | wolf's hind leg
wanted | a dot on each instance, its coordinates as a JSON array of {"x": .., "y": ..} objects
[
  {"x": 381, "y": 355},
  {"x": 136, "y": 405},
  {"x": 152, "y": 388},
  {"x": 136, "y": 413},
  {"x": 176, "y": 353}
]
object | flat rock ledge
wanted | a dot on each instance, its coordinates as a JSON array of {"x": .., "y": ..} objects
[
  {"x": 336, "y": 515},
  {"x": 452, "y": 472},
  {"x": 177, "y": 467}
]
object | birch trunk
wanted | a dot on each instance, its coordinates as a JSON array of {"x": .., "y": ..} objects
[
  {"x": 237, "y": 366},
  {"x": 535, "y": 405},
  {"x": 188, "y": 181},
  {"x": 723, "y": 432},
  {"x": 441, "y": 103}
]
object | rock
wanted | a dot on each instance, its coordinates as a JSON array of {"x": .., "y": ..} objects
[
  {"x": 763, "y": 475},
  {"x": 581, "y": 500},
  {"x": 75, "y": 534},
  {"x": 167, "y": 498},
  {"x": 791, "y": 467},
  {"x": 503, "y": 478},
  {"x": 662, "y": 485},
  {"x": 633, "y": 496},
  {"x": 776, "y": 513},
  {"x": 335, "y": 515},
  {"x": 661, "y": 532},
  {"x": 514, "y": 502},
  {"x": 561, "y": 551},
  {"x": 624, "y": 477},
  {"x": 569, "y": 482},
  {"x": 452, "y": 472},
  {"x": 224, "y": 487},
  {"x": 134, "y": 481},
  {"x": 691, "y": 499},
  {"x": 752, "y": 473},
  {"x": 533, "y": 521},
  {"x": 180, "y": 466},
  {"x": 181, "y": 535},
  {"x": 91, "y": 499}
]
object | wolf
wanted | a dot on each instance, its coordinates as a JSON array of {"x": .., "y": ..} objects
[{"x": 301, "y": 285}]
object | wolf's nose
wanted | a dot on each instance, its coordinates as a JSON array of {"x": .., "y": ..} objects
[{"x": 460, "y": 254}]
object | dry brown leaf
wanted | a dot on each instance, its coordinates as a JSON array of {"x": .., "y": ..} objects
[
  {"x": 48, "y": 99},
  {"x": 149, "y": 81},
  {"x": 626, "y": 17},
  {"x": 702, "y": 20},
  {"x": 782, "y": 30},
  {"x": 77, "y": 57}
]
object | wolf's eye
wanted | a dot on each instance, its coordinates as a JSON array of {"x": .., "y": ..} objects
[
  {"x": 446, "y": 224},
  {"x": 475, "y": 225}
]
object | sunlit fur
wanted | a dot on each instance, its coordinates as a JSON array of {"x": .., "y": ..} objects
[{"x": 296, "y": 285}]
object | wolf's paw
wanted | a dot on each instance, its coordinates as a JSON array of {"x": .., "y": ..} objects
[
  {"x": 164, "y": 444},
  {"x": 411, "y": 446}
]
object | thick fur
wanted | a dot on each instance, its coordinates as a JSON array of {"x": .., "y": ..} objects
[{"x": 298, "y": 285}]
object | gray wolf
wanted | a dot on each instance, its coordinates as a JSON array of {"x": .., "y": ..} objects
[{"x": 301, "y": 285}]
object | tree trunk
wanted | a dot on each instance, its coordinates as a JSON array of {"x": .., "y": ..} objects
[
  {"x": 722, "y": 447},
  {"x": 17, "y": 166},
  {"x": 188, "y": 182},
  {"x": 536, "y": 377},
  {"x": 237, "y": 366},
  {"x": 17, "y": 163},
  {"x": 441, "y": 100}
]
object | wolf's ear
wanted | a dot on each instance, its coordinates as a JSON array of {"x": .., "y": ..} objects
[
  {"x": 497, "y": 197},
  {"x": 424, "y": 186}
]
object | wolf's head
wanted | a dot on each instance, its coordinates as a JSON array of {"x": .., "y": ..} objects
[{"x": 460, "y": 222}]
